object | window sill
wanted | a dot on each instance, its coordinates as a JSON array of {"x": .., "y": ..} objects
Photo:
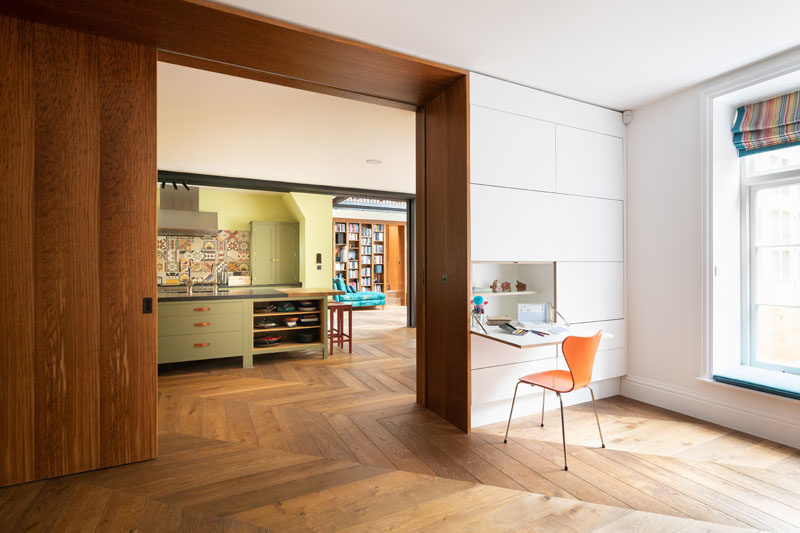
[{"x": 769, "y": 381}]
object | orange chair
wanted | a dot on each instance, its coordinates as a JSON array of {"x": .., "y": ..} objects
[{"x": 579, "y": 353}]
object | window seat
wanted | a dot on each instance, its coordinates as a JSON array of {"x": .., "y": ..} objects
[{"x": 769, "y": 381}]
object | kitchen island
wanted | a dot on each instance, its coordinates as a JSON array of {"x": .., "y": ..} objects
[{"x": 241, "y": 321}]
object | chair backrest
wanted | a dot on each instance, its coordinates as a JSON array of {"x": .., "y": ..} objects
[{"x": 579, "y": 353}]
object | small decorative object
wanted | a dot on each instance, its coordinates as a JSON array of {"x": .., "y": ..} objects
[
  {"x": 290, "y": 321},
  {"x": 479, "y": 310},
  {"x": 494, "y": 286},
  {"x": 505, "y": 286},
  {"x": 521, "y": 287}
]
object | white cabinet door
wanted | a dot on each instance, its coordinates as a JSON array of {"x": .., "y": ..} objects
[
  {"x": 486, "y": 353},
  {"x": 589, "y": 292},
  {"x": 511, "y": 150},
  {"x": 497, "y": 382},
  {"x": 514, "y": 225},
  {"x": 610, "y": 364},
  {"x": 589, "y": 163}
]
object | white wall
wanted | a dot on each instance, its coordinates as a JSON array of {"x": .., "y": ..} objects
[{"x": 666, "y": 354}]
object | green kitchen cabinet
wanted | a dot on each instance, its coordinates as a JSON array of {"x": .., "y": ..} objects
[{"x": 274, "y": 253}]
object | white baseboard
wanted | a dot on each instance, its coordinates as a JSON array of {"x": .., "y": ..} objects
[
  {"x": 756, "y": 422},
  {"x": 489, "y": 413}
]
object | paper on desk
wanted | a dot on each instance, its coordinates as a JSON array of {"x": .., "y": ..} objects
[{"x": 539, "y": 326}]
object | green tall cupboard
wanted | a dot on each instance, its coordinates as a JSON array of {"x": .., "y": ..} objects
[{"x": 274, "y": 253}]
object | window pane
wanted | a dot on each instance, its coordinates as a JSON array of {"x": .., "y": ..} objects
[
  {"x": 778, "y": 340},
  {"x": 777, "y": 276},
  {"x": 778, "y": 215},
  {"x": 774, "y": 161}
]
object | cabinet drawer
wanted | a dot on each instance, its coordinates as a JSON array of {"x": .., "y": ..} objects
[
  {"x": 199, "y": 308},
  {"x": 185, "y": 325},
  {"x": 199, "y": 346}
]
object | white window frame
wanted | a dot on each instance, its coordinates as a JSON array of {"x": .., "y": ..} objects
[
  {"x": 771, "y": 71},
  {"x": 751, "y": 184}
]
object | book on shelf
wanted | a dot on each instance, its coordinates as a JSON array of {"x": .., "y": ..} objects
[
  {"x": 353, "y": 228},
  {"x": 353, "y": 236},
  {"x": 339, "y": 267},
  {"x": 340, "y": 227},
  {"x": 378, "y": 236},
  {"x": 378, "y": 227},
  {"x": 378, "y": 259},
  {"x": 378, "y": 248}
]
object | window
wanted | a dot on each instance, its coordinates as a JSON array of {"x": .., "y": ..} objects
[{"x": 771, "y": 246}]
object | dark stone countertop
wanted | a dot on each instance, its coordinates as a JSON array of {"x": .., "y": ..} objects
[{"x": 227, "y": 293}]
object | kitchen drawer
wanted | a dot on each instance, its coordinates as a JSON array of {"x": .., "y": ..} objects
[
  {"x": 199, "y": 308},
  {"x": 176, "y": 348},
  {"x": 198, "y": 323}
]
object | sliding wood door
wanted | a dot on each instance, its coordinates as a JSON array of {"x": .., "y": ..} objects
[
  {"x": 77, "y": 354},
  {"x": 443, "y": 262}
]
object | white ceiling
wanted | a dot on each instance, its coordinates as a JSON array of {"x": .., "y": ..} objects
[
  {"x": 215, "y": 124},
  {"x": 615, "y": 53}
]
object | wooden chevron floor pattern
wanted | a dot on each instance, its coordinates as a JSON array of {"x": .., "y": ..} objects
[{"x": 299, "y": 443}]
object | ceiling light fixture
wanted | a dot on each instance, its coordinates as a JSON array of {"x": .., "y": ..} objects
[{"x": 374, "y": 162}]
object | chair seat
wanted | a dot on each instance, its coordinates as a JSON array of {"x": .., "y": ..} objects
[{"x": 554, "y": 380}]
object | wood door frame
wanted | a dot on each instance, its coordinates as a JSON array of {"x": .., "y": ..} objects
[{"x": 180, "y": 30}]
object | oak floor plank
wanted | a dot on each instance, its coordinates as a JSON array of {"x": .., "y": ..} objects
[
  {"x": 365, "y": 451},
  {"x": 87, "y": 511}
]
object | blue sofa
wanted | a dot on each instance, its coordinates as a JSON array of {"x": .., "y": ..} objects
[{"x": 357, "y": 299}]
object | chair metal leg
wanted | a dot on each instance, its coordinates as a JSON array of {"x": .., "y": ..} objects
[
  {"x": 544, "y": 391},
  {"x": 563, "y": 433},
  {"x": 505, "y": 439},
  {"x": 597, "y": 418}
]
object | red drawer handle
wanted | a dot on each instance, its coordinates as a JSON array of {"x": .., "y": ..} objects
[
  {"x": 198, "y": 309},
  {"x": 202, "y": 344},
  {"x": 201, "y": 324}
]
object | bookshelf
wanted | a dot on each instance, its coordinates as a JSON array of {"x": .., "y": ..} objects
[{"x": 358, "y": 254}]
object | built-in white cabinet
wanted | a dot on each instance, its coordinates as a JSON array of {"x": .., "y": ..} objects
[
  {"x": 511, "y": 150},
  {"x": 589, "y": 163},
  {"x": 590, "y": 291},
  {"x": 547, "y": 186},
  {"x": 514, "y": 225}
]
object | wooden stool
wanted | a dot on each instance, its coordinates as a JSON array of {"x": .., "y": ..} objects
[{"x": 336, "y": 327}]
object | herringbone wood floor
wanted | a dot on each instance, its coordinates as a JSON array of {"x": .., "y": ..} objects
[{"x": 301, "y": 443}]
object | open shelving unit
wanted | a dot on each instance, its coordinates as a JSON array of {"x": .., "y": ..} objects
[{"x": 288, "y": 341}]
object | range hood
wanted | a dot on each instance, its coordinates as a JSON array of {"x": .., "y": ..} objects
[{"x": 180, "y": 214}]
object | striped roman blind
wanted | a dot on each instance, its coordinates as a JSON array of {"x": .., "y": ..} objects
[{"x": 767, "y": 125}]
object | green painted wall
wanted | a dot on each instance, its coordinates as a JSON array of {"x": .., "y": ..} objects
[
  {"x": 237, "y": 208},
  {"x": 315, "y": 214}
]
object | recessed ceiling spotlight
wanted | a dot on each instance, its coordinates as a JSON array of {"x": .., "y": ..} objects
[{"x": 374, "y": 162}]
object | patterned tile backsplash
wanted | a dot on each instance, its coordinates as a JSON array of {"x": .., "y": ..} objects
[{"x": 199, "y": 257}]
